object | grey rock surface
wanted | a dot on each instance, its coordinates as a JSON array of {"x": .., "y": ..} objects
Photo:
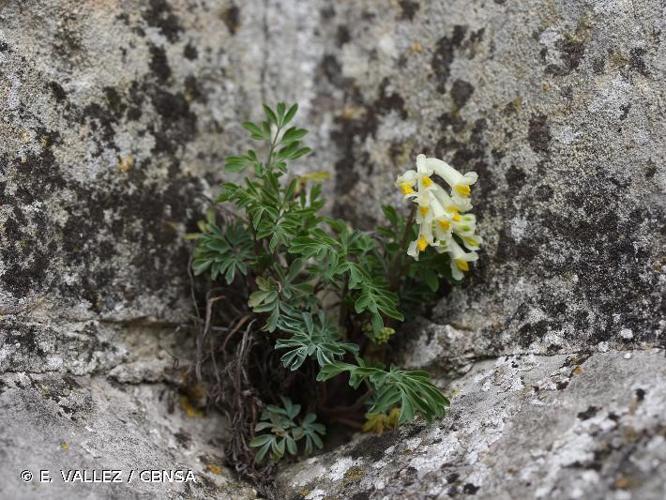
[
  {"x": 115, "y": 118},
  {"x": 529, "y": 426},
  {"x": 90, "y": 424},
  {"x": 116, "y": 115},
  {"x": 114, "y": 122},
  {"x": 559, "y": 106}
]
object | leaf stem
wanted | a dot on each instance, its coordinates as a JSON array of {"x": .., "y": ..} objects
[
  {"x": 272, "y": 148},
  {"x": 396, "y": 266}
]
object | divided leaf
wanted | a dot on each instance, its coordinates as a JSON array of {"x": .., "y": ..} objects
[{"x": 311, "y": 336}]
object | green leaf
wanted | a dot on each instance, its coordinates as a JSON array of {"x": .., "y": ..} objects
[
  {"x": 235, "y": 163},
  {"x": 411, "y": 390},
  {"x": 264, "y": 442},
  {"x": 225, "y": 252},
  {"x": 293, "y": 135},
  {"x": 282, "y": 296},
  {"x": 270, "y": 115},
  {"x": 300, "y": 152},
  {"x": 284, "y": 432},
  {"x": 255, "y": 132},
  {"x": 281, "y": 108},
  {"x": 290, "y": 114},
  {"x": 291, "y": 445},
  {"x": 311, "y": 336},
  {"x": 390, "y": 214},
  {"x": 334, "y": 369},
  {"x": 315, "y": 244}
]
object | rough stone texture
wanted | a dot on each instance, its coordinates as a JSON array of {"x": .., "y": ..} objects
[
  {"x": 115, "y": 118},
  {"x": 520, "y": 427},
  {"x": 56, "y": 423},
  {"x": 116, "y": 115},
  {"x": 559, "y": 106}
]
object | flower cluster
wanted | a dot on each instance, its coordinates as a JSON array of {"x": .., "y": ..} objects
[{"x": 440, "y": 214}]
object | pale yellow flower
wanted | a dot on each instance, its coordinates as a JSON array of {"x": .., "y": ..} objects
[{"x": 443, "y": 223}]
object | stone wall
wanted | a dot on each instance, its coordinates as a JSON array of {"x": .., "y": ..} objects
[{"x": 116, "y": 116}]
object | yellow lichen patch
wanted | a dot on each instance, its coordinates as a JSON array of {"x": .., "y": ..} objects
[
  {"x": 126, "y": 164},
  {"x": 215, "y": 469},
  {"x": 379, "y": 422},
  {"x": 354, "y": 474},
  {"x": 463, "y": 265},
  {"x": 317, "y": 176},
  {"x": 304, "y": 491},
  {"x": 352, "y": 112},
  {"x": 189, "y": 409},
  {"x": 64, "y": 446},
  {"x": 622, "y": 483},
  {"x": 416, "y": 48},
  {"x": 516, "y": 104}
]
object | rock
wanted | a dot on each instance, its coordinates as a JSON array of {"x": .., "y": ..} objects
[
  {"x": 115, "y": 120},
  {"x": 61, "y": 424},
  {"x": 556, "y": 107},
  {"x": 112, "y": 121},
  {"x": 116, "y": 117},
  {"x": 524, "y": 426}
]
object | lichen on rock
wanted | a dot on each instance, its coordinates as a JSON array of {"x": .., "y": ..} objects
[{"x": 114, "y": 123}]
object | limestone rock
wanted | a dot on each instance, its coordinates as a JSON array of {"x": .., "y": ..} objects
[
  {"x": 559, "y": 108},
  {"x": 61, "y": 424},
  {"x": 116, "y": 117},
  {"x": 580, "y": 426}
]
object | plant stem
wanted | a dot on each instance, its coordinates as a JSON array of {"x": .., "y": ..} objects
[
  {"x": 344, "y": 309},
  {"x": 272, "y": 148},
  {"x": 395, "y": 267}
]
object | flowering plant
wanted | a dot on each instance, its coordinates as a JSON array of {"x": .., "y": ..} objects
[
  {"x": 309, "y": 298},
  {"x": 441, "y": 214}
]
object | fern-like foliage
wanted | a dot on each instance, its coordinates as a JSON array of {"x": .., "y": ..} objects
[
  {"x": 320, "y": 288},
  {"x": 284, "y": 432},
  {"x": 412, "y": 391},
  {"x": 223, "y": 252},
  {"x": 312, "y": 336}
]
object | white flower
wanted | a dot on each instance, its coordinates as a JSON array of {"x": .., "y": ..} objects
[
  {"x": 459, "y": 258},
  {"x": 448, "y": 220},
  {"x": 419, "y": 177},
  {"x": 440, "y": 215},
  {"x": 460, "y": 184}
]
